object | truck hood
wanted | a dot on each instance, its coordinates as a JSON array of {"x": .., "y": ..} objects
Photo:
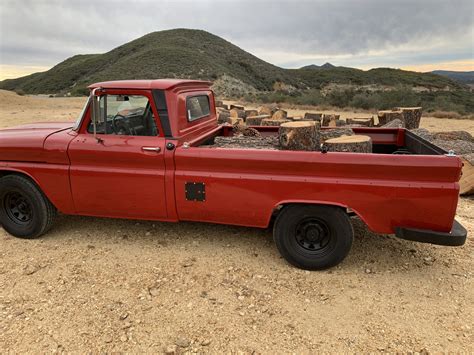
[{"x": 26, "y": 142}]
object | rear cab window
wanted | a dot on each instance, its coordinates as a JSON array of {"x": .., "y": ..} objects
[{"x": 197, "y": 107}]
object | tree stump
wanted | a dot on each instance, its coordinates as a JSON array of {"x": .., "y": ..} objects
[
  {"x": 279, "y": 115},
  {"x": 367, "y": 122},
  {"x": 335, "y": 132},
  {"x": 250, "y": 113},
  {"x": 411, "y": 116},
  {"x": 224, "y": 117},
  {"x": 235, "y": 112},
  {"x": 302, "y": 135},
  {"x": 340, "y": 123},
  {"x": 350, "y": 144},
  {"x": 388, "y": 116},
  {"x": 272, "y": 122},
  {"x": 255, "y": 120},
  {"x": 238, "y": 107},
  {"x": 330, "y": 120},
  {"x": 308, "y": 116},
  {"x": 396, "y": 123},
  {"x": 267, "y": 110}
]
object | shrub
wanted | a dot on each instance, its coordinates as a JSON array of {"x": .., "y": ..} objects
[{"x": 20, "y": 92}]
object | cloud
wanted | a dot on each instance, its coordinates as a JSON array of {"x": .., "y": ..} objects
[{"x": 287, "y": 33}]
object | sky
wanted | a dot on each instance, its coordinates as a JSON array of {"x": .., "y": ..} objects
[{"x": 419, "y": 35}]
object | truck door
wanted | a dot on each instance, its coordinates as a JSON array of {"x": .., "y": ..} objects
[{"x": 120, "y": 171}]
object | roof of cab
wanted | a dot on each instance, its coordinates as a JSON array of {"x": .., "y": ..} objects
[{"x": 162, "y": 84}]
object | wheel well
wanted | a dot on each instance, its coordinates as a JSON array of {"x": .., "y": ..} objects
[
  {"x": 26, "y": 176},
  {"x": 277, "y": 210}
]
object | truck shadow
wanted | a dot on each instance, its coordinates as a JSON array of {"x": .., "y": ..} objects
[{"x": 370, "y": 252}]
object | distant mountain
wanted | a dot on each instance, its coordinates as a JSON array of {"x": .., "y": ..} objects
[
  {"x": 185, "y": 53},
  {"x": 314, "y": 66},
  {"x": 465, "y": 77}
]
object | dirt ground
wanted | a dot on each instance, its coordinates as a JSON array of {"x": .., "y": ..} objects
[{"x": 106, "y": 285}]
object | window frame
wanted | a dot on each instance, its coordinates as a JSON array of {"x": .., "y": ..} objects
[
  {"x": 130, "y": 92},
  {"x": 200, "y": 117}
]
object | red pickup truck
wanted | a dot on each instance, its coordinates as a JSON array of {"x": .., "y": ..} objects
[{"x": 144, "y": 150}]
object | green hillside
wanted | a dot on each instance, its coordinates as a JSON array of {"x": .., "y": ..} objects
[
  {"x": 177, "y": 53},
  {"x": 196, "y": 54}
]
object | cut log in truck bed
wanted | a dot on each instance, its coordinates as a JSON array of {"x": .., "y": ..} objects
[{"x": 151, "y": 154}]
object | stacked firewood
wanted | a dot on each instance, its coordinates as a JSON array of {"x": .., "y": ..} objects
[{"x": 295, "y": 133}]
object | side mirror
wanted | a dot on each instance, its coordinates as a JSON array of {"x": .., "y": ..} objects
[{"x": 95, "y": 112}]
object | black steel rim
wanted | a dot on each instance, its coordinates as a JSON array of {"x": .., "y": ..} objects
[
  {"x": 313, "y": 235},
  {"x": 18, "y": 208}
]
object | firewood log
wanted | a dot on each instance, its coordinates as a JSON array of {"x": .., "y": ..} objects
[
  {"x": 340, "y": 123},
  {"x": 396, "y": 123},
  {"x": 235, "y": 112},
  {"x": 238, "y": 107},
  {"x": 267, "y": 110},
  {"x": 256, "y": 120},
  {"x": 243, "y": 142},
  {"x": 250, "y": 113},
  {"x": 313, "y": 116},
  {"x": 302, "y": 135},
  {"x": 350, "y": 144},
  {"x": 236, "y": 121},
  {"x": 368, "y": 122},
  {"x": 219, "y": 103},
  {"x": 272, "y": 122},
  {"x": 454, "y": 135},
  {"x": 243, "y": 130},
  {"x": 388, "y": 116},
  {"x": 279, "y": 115},
  {"x": 466, "y": 184},
  {"x": 224, "y": 117},
  {"x": 411, "y": 116},
  {"x": 335, "y": 132},
  {"x": 330, "y": 120}
]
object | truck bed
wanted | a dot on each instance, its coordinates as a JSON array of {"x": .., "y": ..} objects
[
  {"x": 245, "y": 186},
  {"x": 385, "y": 140}
]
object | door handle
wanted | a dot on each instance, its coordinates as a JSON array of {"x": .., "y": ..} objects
[{"x": 151, "y": 149}]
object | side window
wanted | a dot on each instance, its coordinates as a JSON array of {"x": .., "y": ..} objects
[
  {"x": 126, "y": 115},
  {"x": 197, "y": 107}
]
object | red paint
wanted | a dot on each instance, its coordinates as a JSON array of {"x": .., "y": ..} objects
[{"x": 115, "y": 178}]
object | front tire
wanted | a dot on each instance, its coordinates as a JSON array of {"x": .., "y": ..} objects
[
  {"x": 25, "y": 212},
  {"x": 313, "y": 237}
]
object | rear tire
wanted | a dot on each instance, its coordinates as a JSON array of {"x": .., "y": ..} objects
[
  {"x": 313, "y": 237},
  {"x": 25, "y": 212}
]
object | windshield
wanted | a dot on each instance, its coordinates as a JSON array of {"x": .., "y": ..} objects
[{"x": 81, "y": 115}]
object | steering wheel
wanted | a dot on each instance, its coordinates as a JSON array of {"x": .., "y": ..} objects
[{"x": 120, "y": 125}]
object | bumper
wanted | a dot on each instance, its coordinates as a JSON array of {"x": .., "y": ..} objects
[{"x": 456, "y": 237}]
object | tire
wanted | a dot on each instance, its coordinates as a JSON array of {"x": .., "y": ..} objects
[
  {"x": 313, "y": 237},
  {"x": 25, "y": 212}
]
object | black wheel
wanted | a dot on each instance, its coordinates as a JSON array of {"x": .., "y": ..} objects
[
  {"x": 24, "y": 210},
  {"x": 313, "y": 237}
]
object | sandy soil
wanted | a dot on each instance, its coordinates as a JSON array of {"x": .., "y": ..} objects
[{"x": 116, "y": 285}]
